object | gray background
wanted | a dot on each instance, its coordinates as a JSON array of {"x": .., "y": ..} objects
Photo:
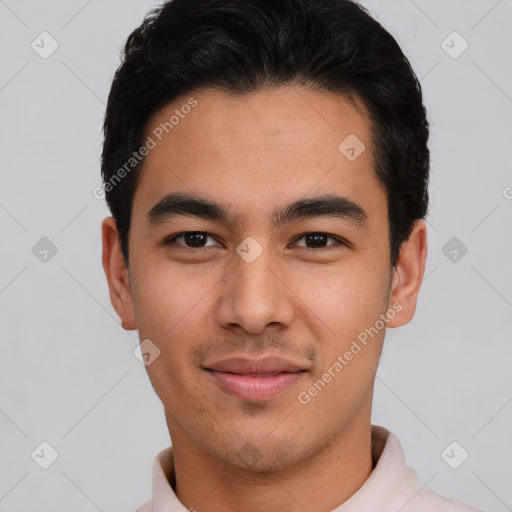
[{"x": 68, "y": 375}]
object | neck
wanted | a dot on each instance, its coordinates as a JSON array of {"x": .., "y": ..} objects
[{"x": 321, "y": 483}]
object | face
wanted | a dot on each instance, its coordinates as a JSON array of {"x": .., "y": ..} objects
[{"x": 259, "y": 269}]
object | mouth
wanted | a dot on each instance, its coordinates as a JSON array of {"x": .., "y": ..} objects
[{"x": 255, "y": 379}]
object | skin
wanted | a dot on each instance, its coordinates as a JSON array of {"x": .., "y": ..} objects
[{"x": 255, "y": 153}]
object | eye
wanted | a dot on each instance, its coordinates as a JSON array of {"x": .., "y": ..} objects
[
  {"x": 318, "y": 241},
  {"x": 195, "y": 241},
  {"x": 191, "y": 239}
]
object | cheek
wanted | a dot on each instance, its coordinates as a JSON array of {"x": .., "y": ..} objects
[
  {"x": 346, "y": 298},
  {"x": 168, "y": 297},
  {"x": 347, "y": 302},
  {"x": 172, "y": 309}
]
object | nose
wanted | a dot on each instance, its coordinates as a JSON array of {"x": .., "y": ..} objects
[{"x": 254, "y": 296}]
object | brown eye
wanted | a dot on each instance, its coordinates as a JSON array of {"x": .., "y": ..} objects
[
  {"x": 192, "y": 239},
  {"x": 317, "y": 240}
]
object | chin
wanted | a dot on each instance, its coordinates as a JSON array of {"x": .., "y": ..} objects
[{"x": 262, "y": 456}]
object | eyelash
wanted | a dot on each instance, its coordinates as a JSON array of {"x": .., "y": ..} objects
[{"x": 339, "y": 242}]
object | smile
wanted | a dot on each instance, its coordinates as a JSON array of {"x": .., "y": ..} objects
[{"x": 255, "y": 380}]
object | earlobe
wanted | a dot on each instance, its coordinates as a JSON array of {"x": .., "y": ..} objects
[
  {"x": 118, "y": 277},
  {"x": 408, "y": 274}
]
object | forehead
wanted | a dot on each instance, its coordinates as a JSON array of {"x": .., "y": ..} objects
[{"x": 256, "y": 150}]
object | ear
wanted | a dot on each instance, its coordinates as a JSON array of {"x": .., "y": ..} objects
[
  {"x": 408, "y": 274},
  {"x": 117, "y": 273}
]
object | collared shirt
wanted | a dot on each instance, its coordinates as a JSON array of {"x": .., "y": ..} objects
[{"x": 391, "y": 487}]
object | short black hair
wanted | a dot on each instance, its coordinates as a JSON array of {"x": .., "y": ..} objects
[{"x": 241, "y": 46}]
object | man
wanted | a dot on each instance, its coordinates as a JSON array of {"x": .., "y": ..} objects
[{"x": 266, "y": 165}]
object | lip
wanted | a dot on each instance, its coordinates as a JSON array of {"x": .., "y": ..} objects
[{"x": 255, "y": 379}]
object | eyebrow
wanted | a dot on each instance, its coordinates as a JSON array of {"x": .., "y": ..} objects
[{"x": 327, "y": 205}]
